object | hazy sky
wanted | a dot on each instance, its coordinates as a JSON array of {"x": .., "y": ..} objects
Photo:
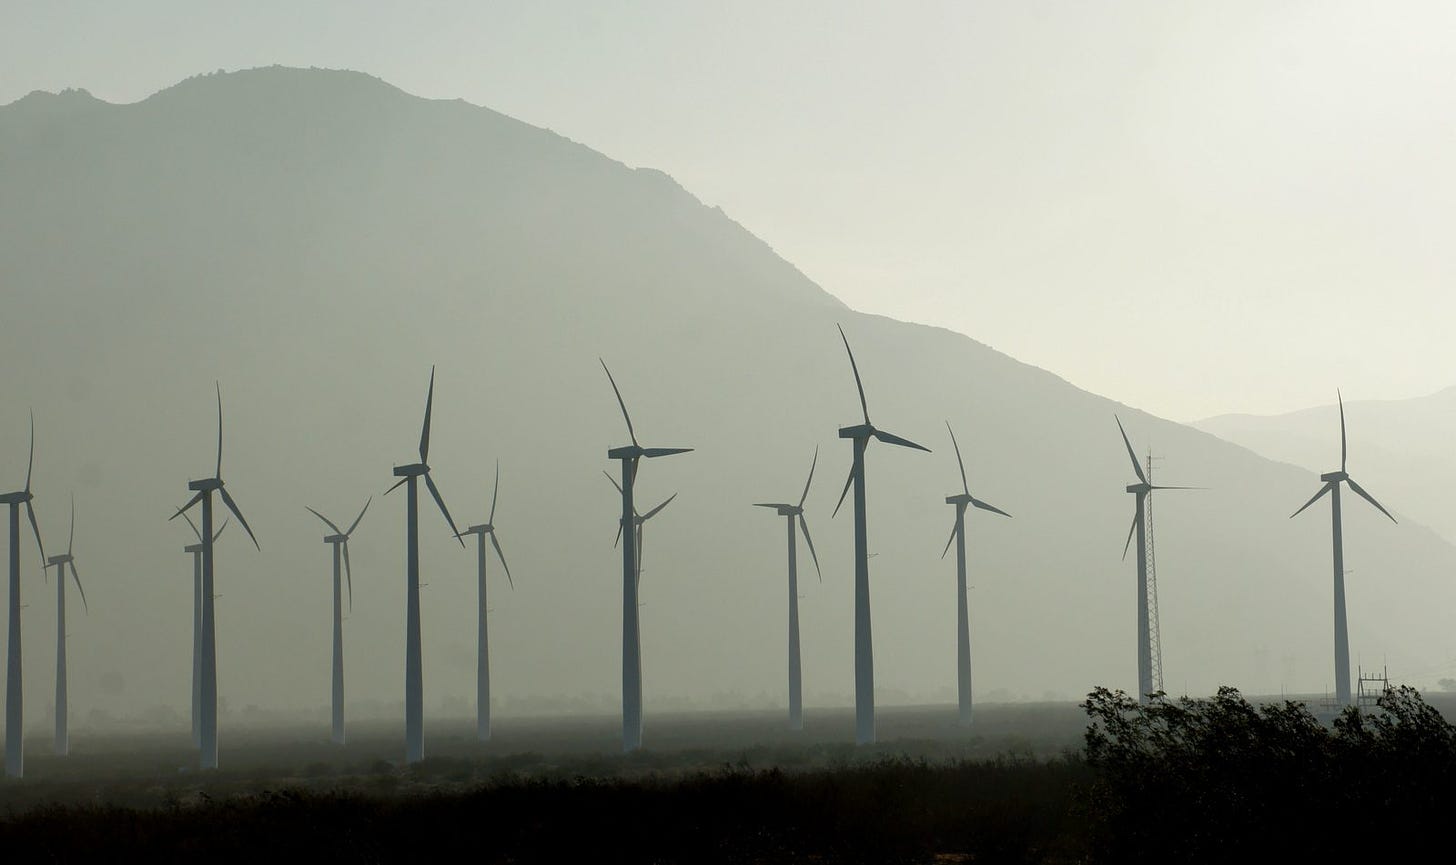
[{"x": 1193, "y": 208}]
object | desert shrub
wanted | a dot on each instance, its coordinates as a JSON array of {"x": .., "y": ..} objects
[{"x": 1222, "y": 780}]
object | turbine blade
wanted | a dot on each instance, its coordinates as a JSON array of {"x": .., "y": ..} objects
[
  {"x": 77, "y": 578},
  {"x": 652, "y": 513},
  {"x": 329, "y": 522},
  {"x": 614, "y": 482},
  {"x": 664, "y": 452},
  {"x": 618, "y": 541},
  {"x": 630, "y": 432},
  {"x": 1360, "y": 491},
  {"x": 1177, "y": 488},
  {"x": 1131, "y": 530},
  {"x": 639, "y": 554},
  {"x": 30, "y": 464},
  {"x": 1136, "y": 466},
  {"x": 217, "y": 534},
  {"x": 805, "y": 494},
  {"x": 892, "y": 439},
  {"x": 435, "y": 492},
  {"x": 954, "y": 530},
  {"x": 187, "y": 507},
  {"x": 397, "y": 485},
  {"x": 348, "y": 574},
  {"x": 1343, "y": 447},
  {"x": 218, "y": 473},
  {"x": 190, "y": 523},
  {"x": 804, "y": 527},
  {"x": 425, "y": 430},
  {"x": 502, "y": 556},
  {"x": 767, "y": 505},
  {"x": 35, "y": 528},
  {"x": 986, "y": 506},
  {"x": 1316, "y": 497},
  {"x": 71, "y": 541},
  {"x": 227, "y": 499},
  {"x": 847, "y": 483},
  {"x": 960, "y": 462},
  {"x": 494, "y": 495},
  {"x": 864, "y": 406},
  {"x": 354, "y": 525}
]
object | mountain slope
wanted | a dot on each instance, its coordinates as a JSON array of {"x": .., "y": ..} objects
[
  {"x": 316, "y": 240},
  {"x": 1399, "y": 449}
]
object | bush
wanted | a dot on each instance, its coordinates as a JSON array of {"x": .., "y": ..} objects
[{"x": 1221, "y": 780}]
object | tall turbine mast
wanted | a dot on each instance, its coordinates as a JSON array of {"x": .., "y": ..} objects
[
  {"x": 792, "y": 512},
  {"x": 14, "y": 690},
  {"x": 1142, "y": 490},
  {"x": 630, "y": 456},
  {"x": 482, "y": 633},
  {"x": 207, "y": 726},
  {"x": 864, "y": 651},
  {"x": 1332, "y": 483},
  {"x": 1155, "y": 637},
  {"x": 409, "y": 476}
]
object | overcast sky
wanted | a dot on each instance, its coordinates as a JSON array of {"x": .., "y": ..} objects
[{"x": 1192, "y": 208}]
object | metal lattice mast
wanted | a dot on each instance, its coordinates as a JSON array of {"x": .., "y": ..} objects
[{"x": 1155, "y": 643}]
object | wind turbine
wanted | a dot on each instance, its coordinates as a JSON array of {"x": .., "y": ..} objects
[
  {"x": 1141, "y": 490},
  {"x": 638, "y": 520},
  {"x": 1332, "y": 486},
  {"x": 482, "y": 637},
  {"x": 63, "y": 739},
  {"x": 792, "y": 512},
  {"x": 414, "y": 694},
  {"x": 196, "y": 551},
  {"x": 629, "y": 455},
  {"x": 864, "y": 650},
  {"x": 339, "y": 540},
  {"x": 14, "y": 707},
  {"x": 207, "y": 732},
  {"x": 963, "y": 622}
]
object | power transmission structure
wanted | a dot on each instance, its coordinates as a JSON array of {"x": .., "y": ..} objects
[{"x": 1155, "y": 641}]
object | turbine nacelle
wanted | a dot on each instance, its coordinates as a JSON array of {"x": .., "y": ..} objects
[
  {"x": 61, "y": 559},
  {"x": 858, "y": 431},
  {"x": 205, "y": 485},
  {"x": 482, "y": 529},
  {"x": 336, "y": 539},
  {"x": 1140, "y": 488},
  {"x": 962, "y": 499},
  {"x": 785, "y": 510},
  {"x": 18, "y": 498},
  {"x": 1335, "y": 477},
  {"x": 413, "y": 470},
  {"x": 193, "y": 548}
]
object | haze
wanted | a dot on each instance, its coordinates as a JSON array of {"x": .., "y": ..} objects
[
  {"x": 1134, "y": 210},
  {"x": 1202, "y": 209}
]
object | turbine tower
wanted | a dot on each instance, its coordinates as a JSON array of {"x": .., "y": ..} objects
[
  {"x": 63, "y": 739},
  {"x": 963, "y": 622},
  {"x": 864, "y": 660},
  {"x": 339, "y": 540},
  {"x": 1332, "y": 481},
  {"x": 14, "y": 708},
  {"x": 196, "y": 551},
  {"x": 638, "y": 521},
  {"x": 482, "y": 635},
  {"x": 1141, "y": 490},
  {"x": 793, "y": 512},
  {"x": 414, "y": 695},
  {"x": 207, "y": 732},
  {"x": 629, "y": 456}
]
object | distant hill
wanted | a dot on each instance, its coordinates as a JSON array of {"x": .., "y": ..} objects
[
  {"x": 317, "y": 239},
  {"x": 1401, "y": 450}
]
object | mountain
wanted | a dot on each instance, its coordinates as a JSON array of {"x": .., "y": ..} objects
[
  {"x": 315, "y": 240},
  {"x": 1399, "y": 449}
]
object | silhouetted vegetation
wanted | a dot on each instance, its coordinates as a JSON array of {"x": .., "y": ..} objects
[
  {"x": 1191, "y": 780},
  {"x": 1222, "y": 780}
]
